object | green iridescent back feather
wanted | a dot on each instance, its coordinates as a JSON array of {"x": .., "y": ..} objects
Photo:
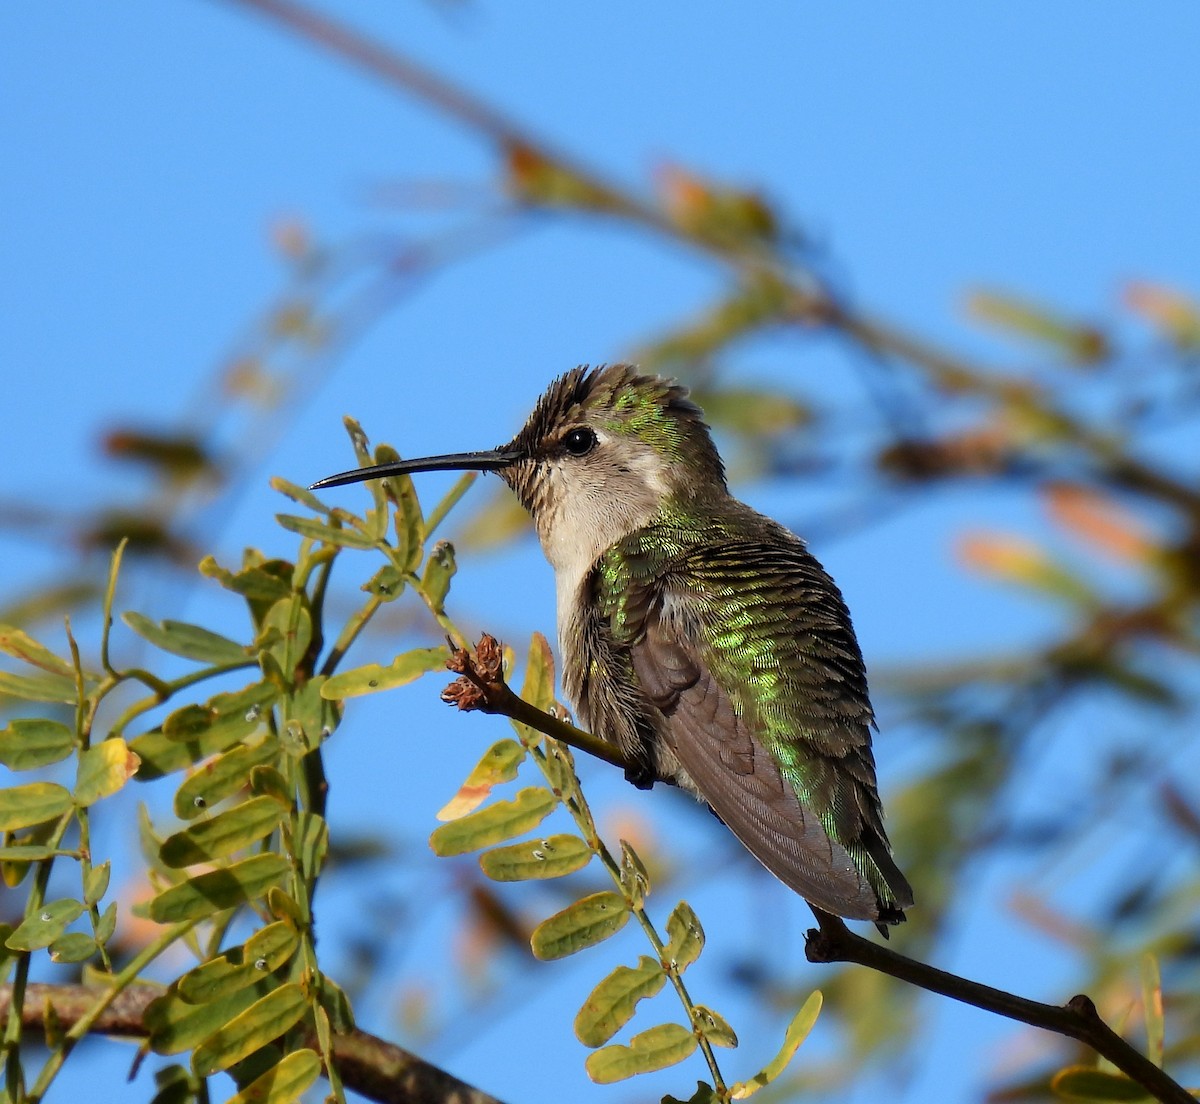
[{"x": 774, "y": 631}]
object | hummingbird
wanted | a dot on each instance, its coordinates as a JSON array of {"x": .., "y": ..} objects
[{"x": 701, "y": 638}]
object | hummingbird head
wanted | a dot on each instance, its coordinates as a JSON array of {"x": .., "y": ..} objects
[{"x": 604, "y": 451}]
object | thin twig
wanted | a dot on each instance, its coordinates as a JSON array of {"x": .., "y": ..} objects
[{"x": 1077, "y": 1019}]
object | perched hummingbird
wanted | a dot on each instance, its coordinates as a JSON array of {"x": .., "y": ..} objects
[{"x": 697, "y": 635}]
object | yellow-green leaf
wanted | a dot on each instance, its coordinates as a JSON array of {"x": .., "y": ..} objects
[
  {"x": 551, "y": 857},
  {"x": 39, "y": 687},
  {"x": 189, "y": 641},
  {"x": 224, "y": 775},
  {"x": 23, "y": 806},
  {"x": 797, "y": 1032},
  {"x": 95, "y": 885},
  {"x": 440, "y": 567},
  {"x": 405, "y": 668},
  {"x": 176, "y": 1026},
  {"x": 495, "y": 823},
  {"x": 538, "y": 687},
  {"x": 582, "y": 924},
  {"x": 283, "y": 1083},
  {"x": 1152, "y": 1000},
  {"x": 298, "y": 494},
  {"x": 263, "y": 1021},
  {"x": 73, "y": 947},
  {"x": 328, "y": 534},
  {"x": 714, "y": 1027},
  {"x": 219, "y": 889},
  {"x": 44, "y": 926},
  {"x": 20, "y": 645},
  {"x": 660, "y": 1047},
  {"x": 1086, "y": 1083},
  {"x": 263, "y": 953},
  {"x": 30, "y": 742},
  {"x": 611, "y": 1005},
  {"x": 223, "y": 834},
  {"x": 686, "y": 936},
  {"x": 499, "y": 764},
  {"x": 103, "y": 770}
]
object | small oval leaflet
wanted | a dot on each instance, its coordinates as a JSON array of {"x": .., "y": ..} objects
[
  {"x": 24, "y": 806},
  {"x": 551, "y": 857},
  {"x": 611, "y": 1005},
  {"x": 658, "y": 1048},
  {"x": 405, "y": 668},
  {"x": 283, "y": 1083},
  {"x": 686, "y": 936},
  {"x": 586, "y": 922},
  {"x": 45, "y": 926},
  {"x": 189, "y": 641},
  {"x": 175, "y": 1025},
  {"x": 31, "y": 742},
  {"x": 495, "y": 823},
  {"x": 714, "y": 1027},
  {"x": 222, "y": 834},
  {"x": 219, "y": 889},
  {"x": 263, "y": 1021},
  {"x": 103, "y": 770},
  {"x": 499, "y": 764}
]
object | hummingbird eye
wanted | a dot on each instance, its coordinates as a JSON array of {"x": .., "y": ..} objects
[{"x": 579, "y": 441}]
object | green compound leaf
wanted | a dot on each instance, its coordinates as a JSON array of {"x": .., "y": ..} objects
[
  {"x": 686, "y": 936},
  {"x": 44, "y": 926},
  {"x": 283, "y": 1083},
  {"x": 176, "y": 1026},
  {"x": 327, "y": 534},
  {"x": 28, "y": 743},
  {"x": 797, "y": 1032},
  {"x": 221, "y": 777},
  {"x": 551, "y": 857},
  {"x": 613, "y": 1002},
  {"x": 103, "y": 770},
  {"x": 658, "y": 1048},
  {"x": 498, "y": 822},
  {"x": 263, "y": 1021},
  {"x": 499, "y": 764},
  {"x": 189, "y": 641},
  {"x": 714, "y": 1027},
  {"x": 24, "y": 806},
  {"x": 538, "y": 687},
  {"x": 405, "y": 668},
  {"x": 208, "y": 893},
  {"x": 223, "y": 834},
  {"x": 585, "y": 923},
  {"x": 1086, "y": 1083}
]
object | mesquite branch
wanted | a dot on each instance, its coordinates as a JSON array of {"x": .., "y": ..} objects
[
  {"x": 481, "y": 686},
  {"x": 372, "y": 1067}
]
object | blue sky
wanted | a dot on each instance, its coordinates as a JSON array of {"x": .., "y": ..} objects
[{"x": 149, "y": 148}]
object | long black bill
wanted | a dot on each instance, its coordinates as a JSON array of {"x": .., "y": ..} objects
[{"x": 491, "y": 460}]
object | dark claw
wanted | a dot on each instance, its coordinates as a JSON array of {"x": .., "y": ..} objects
[{"x": 641, "y": 775}]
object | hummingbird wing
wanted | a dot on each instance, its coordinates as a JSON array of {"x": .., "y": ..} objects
[{"x": 744, "y": 648}]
